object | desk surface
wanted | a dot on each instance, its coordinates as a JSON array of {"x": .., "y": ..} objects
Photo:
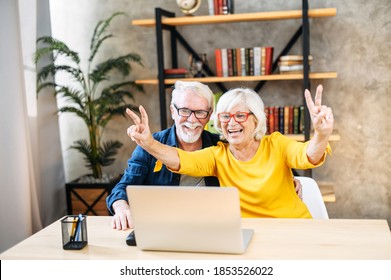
[{"x": 273, "y": 239}]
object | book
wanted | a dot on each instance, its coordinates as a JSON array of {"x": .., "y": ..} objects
[
  {"x": 269, "y": 60},
  {"x": 216, "y": 7},
  {"x": 276, "y": 119},
  {"x": 263, "y": 61},
  {"x": 290, "y": 69},
  {"x": 267, "y": 119},
  {"x": 173, "y": 76},
  {"x": 238, "y": 62},
  {"x": 271, "y": 120},
  {"x": 230, "y": 62},
  {"x": 250, "y": 61},
  {"x": 221, "y": 3},
  {"x": 257, "y": 61},
  {"x": 224, "y": 62},
  {"x": 234, "y": 63},
  {"x": 219, "y": 65},
  {"x": 281, "y": 119},
  {"x": 294, "y": 58},
  {"x": 175, "y": 71},
  {"x": 286, "y": 119},
  {"x": 211, "y": 7},
  {"x": 296, "y": 120},
  {"x": 231, "y": 7},
  {"x": 290, "y": 120},
  {"x": 225, "y": 8},
  {"x": 291, "y": 62},
  {"x": 243, "y": 61},
  {"x": 301, "y": 119}
]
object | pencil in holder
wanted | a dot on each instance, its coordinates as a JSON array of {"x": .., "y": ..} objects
[{"x": 74, "y": 232}]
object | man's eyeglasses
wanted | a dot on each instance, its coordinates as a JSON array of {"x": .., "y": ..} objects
[
  {"x": 185, "y": 112},
  {"x": 238, "y": 116}
]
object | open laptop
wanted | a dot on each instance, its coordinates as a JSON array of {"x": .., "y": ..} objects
[{"x": 188, "y": 219}]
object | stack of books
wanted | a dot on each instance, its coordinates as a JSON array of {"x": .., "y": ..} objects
[{"x": 290, "y": 64}]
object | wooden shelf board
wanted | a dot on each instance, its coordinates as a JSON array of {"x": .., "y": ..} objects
[
  {"x": 274, "y": 77},
  {"x": 327, "y": 190},
  {"x": 300, "y": 137},
  {"x": 260, "y": 16}
]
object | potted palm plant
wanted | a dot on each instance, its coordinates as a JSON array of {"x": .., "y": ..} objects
[{"x": 90, "y": 94}]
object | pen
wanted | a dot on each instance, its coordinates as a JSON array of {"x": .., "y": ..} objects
[
  {"x": 78, "y": 228},
  {"x": 74, "y": 222}
]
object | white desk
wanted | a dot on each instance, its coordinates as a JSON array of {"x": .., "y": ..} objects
[{"x": 273, "y": 239}]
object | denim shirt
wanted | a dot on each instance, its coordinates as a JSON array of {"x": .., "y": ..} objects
[{"x": 141, "y": 167}]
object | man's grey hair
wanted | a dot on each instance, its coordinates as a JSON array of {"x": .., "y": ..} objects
[{"x": 202, "y": 90}]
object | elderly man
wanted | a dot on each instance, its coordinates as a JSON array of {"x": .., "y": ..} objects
[{"x": 191, "y": 107}]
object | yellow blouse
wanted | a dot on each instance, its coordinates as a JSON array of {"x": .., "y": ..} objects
[{"x": 265, "y": 182}]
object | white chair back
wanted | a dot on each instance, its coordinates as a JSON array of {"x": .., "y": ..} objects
[{"x": 312, "y": 197}]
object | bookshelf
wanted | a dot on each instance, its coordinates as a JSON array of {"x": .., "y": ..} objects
[{"x": 167, "y": 21}]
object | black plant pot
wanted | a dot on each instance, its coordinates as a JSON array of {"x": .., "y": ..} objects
[{"x": 88, "y": 197}]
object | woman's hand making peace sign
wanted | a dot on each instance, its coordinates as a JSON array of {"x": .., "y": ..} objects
[
  {"x": 323, "y": 121},
  {"x": 321, "y": 116}
]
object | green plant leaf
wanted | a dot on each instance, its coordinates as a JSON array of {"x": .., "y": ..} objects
[
  {"x": 99, "y": 30},
  {"x": 83, "y": 147},
  {"x": 55, "y": 47},
  {"x": 45, "y": 85},
  {"x": 120, "y": 63},
  {"x": 52, "y": 69},
  {"x": 107, "y": 151},
  {"x": 86, "y": 96},
  {"x": 78, "y": 112},
  {"x": 72, "y": 95}
]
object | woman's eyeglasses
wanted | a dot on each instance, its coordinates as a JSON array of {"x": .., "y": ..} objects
[
  {"x": 238, "y": 116},
  {"x": 185, "y": 112}
]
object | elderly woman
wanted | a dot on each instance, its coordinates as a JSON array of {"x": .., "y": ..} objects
[{"x": 258, "y": 165}]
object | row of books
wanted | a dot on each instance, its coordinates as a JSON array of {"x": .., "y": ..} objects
[
  {"x": 285, "y": 119},
  {"x": 221, "y": 7},
  {"x": 254, "y": 61}
]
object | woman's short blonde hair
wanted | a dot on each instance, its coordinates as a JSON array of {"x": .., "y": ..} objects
[{"x": 252, "y": 101}]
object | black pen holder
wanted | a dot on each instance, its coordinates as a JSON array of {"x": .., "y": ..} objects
[{"x": 74, "y": 232}]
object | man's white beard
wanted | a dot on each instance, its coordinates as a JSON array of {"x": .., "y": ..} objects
[{"x": 193, "y": 135}]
